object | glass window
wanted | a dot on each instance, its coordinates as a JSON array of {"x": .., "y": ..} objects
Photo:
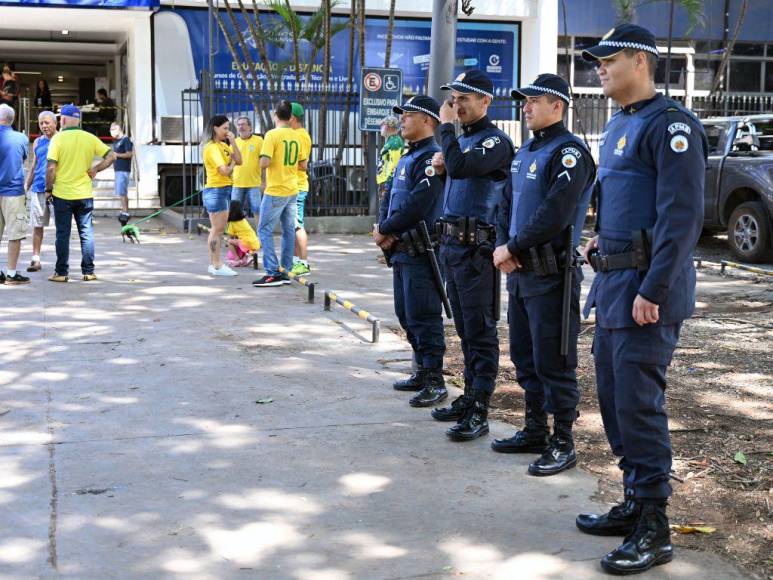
[
  {"x": 563, "y": 41},
  {"x": 748, "y": 49},
  {"x": 563, "y": 66},
  {"x": 716, "y": 135},
  {"x": 678, "y": 72},
  {"x": 769, "y": 76},
  {"x": 705, "y": 70},
  {"x": 708, "y": 47},
  {"x": 585, "y": 73},
  {"x": 583, "y": 42},
  {"x": 745, "y": 76}
]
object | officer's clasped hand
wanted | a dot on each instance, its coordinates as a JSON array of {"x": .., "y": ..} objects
[
  {"x": 505, "y": 261},
  {"x": 593, "y": 244}
]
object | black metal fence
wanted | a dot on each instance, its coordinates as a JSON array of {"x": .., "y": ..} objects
[{"x": 338, "y": 176}]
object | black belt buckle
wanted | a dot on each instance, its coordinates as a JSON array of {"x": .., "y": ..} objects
[
  {"x": 594, "y": 259},
  {"x": 471, "y": 232}
]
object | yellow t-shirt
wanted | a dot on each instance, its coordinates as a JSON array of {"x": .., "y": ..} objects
[
  {"x": 217, "y": 154},
  {"x": 305, "y": 140},
  {"x": 74, "y": 150},
  {"x": 243, "y": 230},
  {"x": 248, "y": 173},
  {"x": 281, "y": 145}
]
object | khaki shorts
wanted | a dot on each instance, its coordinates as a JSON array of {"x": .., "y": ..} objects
[
  {"x": 40, "y": 211},
  {"x": 13, "y": 217}
]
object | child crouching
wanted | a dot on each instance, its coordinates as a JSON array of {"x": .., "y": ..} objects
[{"x": 243, "y": 241}]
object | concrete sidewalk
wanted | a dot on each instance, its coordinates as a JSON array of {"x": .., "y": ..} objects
[{"x": 160, "y": 423}]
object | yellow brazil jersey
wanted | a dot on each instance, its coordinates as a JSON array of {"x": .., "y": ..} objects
[
  {"x": 305, "y": 140},
  {"x": 282, "y": 146},
  {"x": 74, "y": 151},
  {"x": 217, "y": 154},
  {"x": 248, "y": 173},
  {"x": 243, "y": 230}
]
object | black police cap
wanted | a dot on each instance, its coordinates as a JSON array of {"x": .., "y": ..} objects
[
  {"x": 471, "y": 81},
  {"x": 544, "y": 84},
  {"x": 620, "y": 38},
  {"x": 420, "y": 104}
]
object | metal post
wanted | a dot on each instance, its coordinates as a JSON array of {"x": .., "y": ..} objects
[
  {"x": 442, "y": 46},
  {"x": 327, "y": 300}
]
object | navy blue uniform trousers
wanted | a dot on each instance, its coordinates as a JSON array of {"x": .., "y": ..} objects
[
  {"x": 631, "y": 368},
  {"x": 419, "y": 310},
  {"x": 548, "y": 379},
  {"x": 470, "y": 289}
]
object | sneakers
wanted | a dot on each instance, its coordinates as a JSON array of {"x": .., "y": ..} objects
[
  {"x": 58, "y": 278},
  {"x": 34, "y": 266},
  {"x": 223, "y": 270},
  {"x": 299, "y": 269},
  {"x": 269, "y": 280},
  {"x": 15, "y": 280},
  {"x": 89, "y": 277}
]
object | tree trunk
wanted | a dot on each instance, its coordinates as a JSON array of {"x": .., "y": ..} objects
[
  {"x": 390, "y": 32},
  {"x": 729, "y": 49},
  {"x": 324, "y": 88},
  {"x": 235, "y": 56},
  {"x": 296, "y": 57},
  {"x": 344, "y": 137},
  {"x": 365, "y": 135},
  {"x": 245, "y": 49}
]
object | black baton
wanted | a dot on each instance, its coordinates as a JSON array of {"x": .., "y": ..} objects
[
  {"x": 566, "y": 299},
  {"x": 433, "y": 264},
  {"x": 497, "y": 293}
]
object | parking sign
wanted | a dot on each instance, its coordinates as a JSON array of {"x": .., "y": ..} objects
[{"x": 380, "y": 90}]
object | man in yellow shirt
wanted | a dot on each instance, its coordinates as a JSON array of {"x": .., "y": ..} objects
[
  {"x": 68, "y": 181},
  {"x": 280, "y": 159},
  {"x": 247, "y": 176},
  {"x": 301, "y": 265}
]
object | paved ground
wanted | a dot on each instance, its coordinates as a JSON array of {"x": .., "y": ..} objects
[{"x": 132, "y": 446}]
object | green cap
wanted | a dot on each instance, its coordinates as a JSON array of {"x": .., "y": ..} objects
[{"x": 297, "y": 110}]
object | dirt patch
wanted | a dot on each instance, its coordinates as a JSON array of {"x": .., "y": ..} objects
[{"x": 720, "y": 403}]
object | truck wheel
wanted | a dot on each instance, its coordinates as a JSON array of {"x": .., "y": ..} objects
[{"x": 748, "y": 232}]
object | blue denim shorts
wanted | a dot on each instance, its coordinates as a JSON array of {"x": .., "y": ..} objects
[
  {"x": 122, "y": 183},
  {"x": 216, "y": 198}
]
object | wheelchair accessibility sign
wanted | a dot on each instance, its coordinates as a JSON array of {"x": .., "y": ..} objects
[{"x": 380, "y": 90}]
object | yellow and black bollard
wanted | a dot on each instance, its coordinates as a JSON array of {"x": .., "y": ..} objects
[{"x": 331, "y": 297}]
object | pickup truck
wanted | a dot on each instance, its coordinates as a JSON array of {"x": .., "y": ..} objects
[{"x": 739, "y": 184}]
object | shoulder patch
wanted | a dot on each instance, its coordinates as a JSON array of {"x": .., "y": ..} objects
[
  {"x": 571, "y": 151},
  {"x": 429, "y": 171},
  {"x": 679, "y": 144},
  {"x": 491, "y": 142},
  {"x": 676, "y": 127},
  {"x": 569, "y": 161}
]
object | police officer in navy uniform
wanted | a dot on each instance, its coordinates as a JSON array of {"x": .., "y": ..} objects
[
  {"x": 416, "y": 194},
  {"x": 549, "y": 191},
  {"x": 477, "y": 165},
  {"x": 650, "y": 213}
]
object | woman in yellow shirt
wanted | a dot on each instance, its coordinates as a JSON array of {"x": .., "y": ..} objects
[{"x": 220, "y": 157}]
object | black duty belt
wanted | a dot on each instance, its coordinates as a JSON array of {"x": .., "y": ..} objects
[
  {"x": 610, "y": 262},
  {"x": 410, "y": 243},
  {"x": 638, "y": 259},
  {"x": 468, "y": 234}
]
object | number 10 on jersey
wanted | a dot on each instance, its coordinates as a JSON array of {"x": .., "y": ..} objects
[{"x": 291, "y": 153}]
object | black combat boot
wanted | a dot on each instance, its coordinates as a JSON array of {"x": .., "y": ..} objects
[
  {"x": 532, "y": 439},
  {"x": 618, "y": 521},
  {"x": 413, "y": 383},
  {"x": 560, "y": 454},
  {"x": 474, "y": 424},
  {"x": 434, "y": 390},
  {"x": 649, "y": 545},
  {"x": 457, "y": 409}
]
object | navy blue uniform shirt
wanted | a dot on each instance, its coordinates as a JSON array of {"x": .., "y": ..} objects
[
  {"x": 425, "y": 194},
  {"x": 567, "y": 184}
]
